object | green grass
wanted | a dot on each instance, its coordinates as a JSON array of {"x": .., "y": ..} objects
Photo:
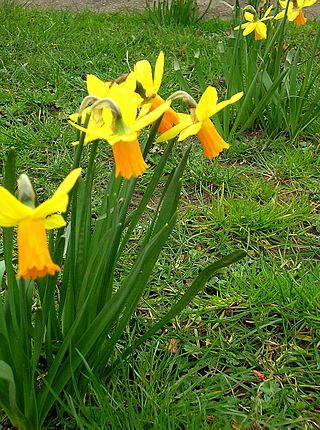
[{"x": 245, "y": 354}]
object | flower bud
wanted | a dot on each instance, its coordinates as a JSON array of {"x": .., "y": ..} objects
[{"x": 25, "y": 191}]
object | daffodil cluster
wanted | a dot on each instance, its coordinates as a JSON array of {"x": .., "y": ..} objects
[
  {"x": 120, "y": 109},
  {"x": 115, "y": 112},
  {"x": 293, "y": 9}
]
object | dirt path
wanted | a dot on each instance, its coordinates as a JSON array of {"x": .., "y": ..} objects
[{"x": 217, "y": 8}]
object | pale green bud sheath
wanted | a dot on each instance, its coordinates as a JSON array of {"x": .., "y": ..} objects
[
  {"x": 185, "y": 97},
  {"x": 26, "y": 193},
  {"x": 107, "y": 103},
  {"x": 251, "y": 10}
]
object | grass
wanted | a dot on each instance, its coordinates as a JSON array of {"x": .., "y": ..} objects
[{"x": 245, "y": 354}]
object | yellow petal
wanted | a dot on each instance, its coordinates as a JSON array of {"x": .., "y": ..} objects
[
  {"x": 280, "y": 15},
  {"x": 144, "y": 109},
  {"x": 99, "y": 133},
  {"x": 267, "y": 12},
  {"x": 248, "y": 16},
  {"x": 293, "y": 13},
  {"x": 68, "y": 183},
  {"x": 130, "y": 83},
  {"x": 172, "y": 132},
  {"x": 190, "y": 131},
  {"x": 206, "y": 103},
  {"x": 54, "y": 221},
  {"x": 308, "y": 3},
  {"x": 57, "y": 203},
  {"x": 11, "y": 209},
  {"x": 143, "y": 73},
  {"x": 261, "y": 30},
  {"x": 249, "y": 28},
  {"x": 218, "y": 107},
  {"x": 124, "y": 137},
  {"x": 184, "y": 117},
  {"x": 158, "y": 71},
  {"x": 74, "y": 117},
  {"x": 151, "y": 116},
  {"x": 96, "y": 87},
  {"x": 7, "y": 222},
  {"x": 127, "y": 102}
]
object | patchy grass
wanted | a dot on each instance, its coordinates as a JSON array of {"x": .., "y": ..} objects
[{"x": 245, "y": 354}]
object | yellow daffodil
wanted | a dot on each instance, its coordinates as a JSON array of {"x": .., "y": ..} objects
[
  {"x": 254, "y": 23},
  {"x": 120, "y": 129},
  {"x": 34, "y": 259},
  {"x": 151, "y": 85},
  {"x": 198, "y": 122},
  {"x": 295, "y": 10},
  {"x": 98, "y": 89}
]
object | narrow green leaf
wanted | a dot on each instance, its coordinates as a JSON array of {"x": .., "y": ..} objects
[
  {"x": 8, "y": 398},
  {"x": 171, "y": 195},
  {"x": 136, "y": 214},
  {"x": 59, "y": 373},
  {"x": 179, "y": 75},
  {"x": 199, "y": 71},
  {"x": 10, "y": 185},
  {"x": 38, "y": 333},
  {"x": 134, "y": 286},
  {"x": 264, "y": 100},
  {"x": 194, "y": 289}
]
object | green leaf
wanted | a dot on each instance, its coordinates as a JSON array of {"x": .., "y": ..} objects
[
  {"x": 134, "y": 286},
  {"x": 134, "y": 217},
  {"x": 59, "y": 373},
  {"x": 170, "y": 196},
  {"x": 10, "y": 185},
  {"x": 262, "y": 103},
  {"x": 8, "y": 398},
  {"x": 194, "y": 289},
  {"x": 179, "y": 75}
]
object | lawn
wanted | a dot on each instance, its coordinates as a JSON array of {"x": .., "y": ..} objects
[{"x": 245, "y": 354}]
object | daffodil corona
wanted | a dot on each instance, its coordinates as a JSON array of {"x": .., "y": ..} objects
[
  {"x": 34, "y": 259},
  {"x": 198, "y": 122}
]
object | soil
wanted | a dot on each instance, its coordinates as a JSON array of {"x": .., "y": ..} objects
[{"x": 218, "y": 8}]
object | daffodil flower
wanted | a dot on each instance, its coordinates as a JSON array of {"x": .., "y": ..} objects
[
  {"x": 121, "y": 129},
  {"x": 151, "y": 85},
  {"x": 198, "y": 122},
  {"x": 34, "y": 259},
  {"x": 295, "y": 10},
  {"x": 255, "y": 24},
  {"x": 98, "y": 89}
]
